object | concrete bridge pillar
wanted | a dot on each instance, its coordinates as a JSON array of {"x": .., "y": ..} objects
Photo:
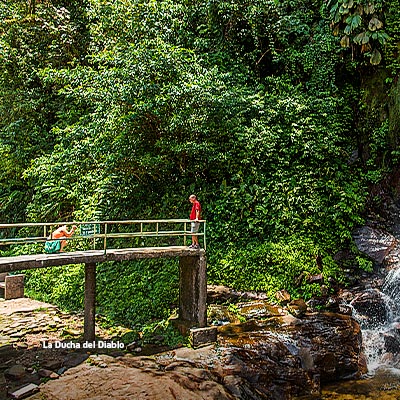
[
  {"x": 192, "y": 295},
  {"x": 90, "y": 302},
  {"x": 193, "y": 290}
]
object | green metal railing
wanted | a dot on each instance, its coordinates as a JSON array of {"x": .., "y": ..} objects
[{"x": 102, "y": 231}]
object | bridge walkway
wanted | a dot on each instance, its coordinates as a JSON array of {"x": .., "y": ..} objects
[{"x": 192, "y": 262}]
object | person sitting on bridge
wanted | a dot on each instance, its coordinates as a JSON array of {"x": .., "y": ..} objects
[
  {"x": 195, "y": 224},
  {"x": 57, "y": 244}
]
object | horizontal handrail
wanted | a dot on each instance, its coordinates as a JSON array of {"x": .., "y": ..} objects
[
  {"x": 126, "y": 222},
  {"x": 103, "y": 230}
]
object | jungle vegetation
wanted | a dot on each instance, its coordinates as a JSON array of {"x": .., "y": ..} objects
[{"x": 281, "y": 115}]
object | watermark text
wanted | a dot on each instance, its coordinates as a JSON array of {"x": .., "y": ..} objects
[{"x": 95, "y": 344}]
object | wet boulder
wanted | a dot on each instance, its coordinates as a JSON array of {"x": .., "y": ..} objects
[
  {"x": 335, "y": 344},
  {"x": 370, "y": 308},
  {"x": 258, "y": 309},
  {"x": 291, "y": 357},
  {"x": 392, "y": 343},
  {"x": 375, "y": 243},
  {"x": 223, "y": 294}
]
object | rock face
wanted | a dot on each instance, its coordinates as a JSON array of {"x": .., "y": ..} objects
[
  {"x": 294, "y": 359},
  {"x": 375, "y": 243},
  {"x": 278, "y": 358},
  {"x": 25, "y": 324},
  {"x": 221, "y": 294},
  {"x": 166, "y": 378}
]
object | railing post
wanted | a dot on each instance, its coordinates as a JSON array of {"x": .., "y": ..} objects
[
  {"x": 184, "y": 235},
  {"x": 105, "y": 237},
  {"x": 94, "y": 236},
  {"x": 204, "y": 236}
]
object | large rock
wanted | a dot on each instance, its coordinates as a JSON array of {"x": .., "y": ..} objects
[
  {"x": 375, "y": 243},
  {"x": 293, "y": 358},
  {"x": 15, "y": 372},
  {"x": 392, "y": 343},
  {"x": 222, "y": 294},
  {"x": 297, "y": 307},
  {"x": 335, "y": 344},
  {"x": 370, "y": 308},
  {"x": 136, "y": 378}
]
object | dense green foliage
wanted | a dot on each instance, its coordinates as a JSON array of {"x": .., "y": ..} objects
[
  {"x": 139, "y": 291},
  {"x": 121, "y": 109},
  {"x": 362, "y": 26}
]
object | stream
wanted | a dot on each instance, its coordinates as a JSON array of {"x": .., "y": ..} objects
[{"x": 379, "y": 317}]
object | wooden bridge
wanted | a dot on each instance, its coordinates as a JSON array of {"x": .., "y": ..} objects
[{"x": 192, "y": 262}]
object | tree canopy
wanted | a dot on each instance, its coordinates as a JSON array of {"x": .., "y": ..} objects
[{"x": 121, "y": 109}]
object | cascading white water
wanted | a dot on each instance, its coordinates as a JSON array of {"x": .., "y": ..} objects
[
  {"x": 391, "y": 287},
  {"x": 380, "y": 325}
]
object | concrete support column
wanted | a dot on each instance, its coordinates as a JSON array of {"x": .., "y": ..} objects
[
  {"x": 193, "y": 290},
  {"x": 90, "y": 302},
  {"x": 14, "y": 287}
]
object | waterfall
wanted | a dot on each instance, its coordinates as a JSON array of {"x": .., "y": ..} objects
[
  {"x": 391, "y": 287},
  {"x": 378, "y": 313}
]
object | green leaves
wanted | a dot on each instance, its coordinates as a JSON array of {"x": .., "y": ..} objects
[
  {"x": 374, "y": 24},
  {"x": 353, "y": 22},
  {"x": 272, "y": 266},
  {"x": 376, "y": 57},
  {"x": 350, "y": 17},
  {"x": 120, "y": 110},
  {"x": 49, "y": 35},
  {"x": 362, "y": 38}
]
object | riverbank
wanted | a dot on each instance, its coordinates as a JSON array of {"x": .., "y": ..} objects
[
  {"x": 38, "y": 343},
  {"x": 263, "y": 352}
]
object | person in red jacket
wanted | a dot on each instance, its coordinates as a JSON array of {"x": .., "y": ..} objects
[{"x": 195, "y": 216}]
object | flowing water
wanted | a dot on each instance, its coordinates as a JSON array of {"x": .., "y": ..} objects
[
  {"x": 378, "y": 313},
  {"x": 381, "y": 341},
  {"x": 381, "y": 333}
]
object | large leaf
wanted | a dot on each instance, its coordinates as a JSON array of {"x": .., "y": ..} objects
[
  {"x": 353, "y": 22},
  {"x": 361, "y": 38},
  {"x": 345, "y": 41},
  {"x": 369, "y": 8},
  {"x": 348, "y": 3},
  {"x": 382, "y": 37},
  {"x": 376, "y": 57},
  {"x": 375, "y": 24}
]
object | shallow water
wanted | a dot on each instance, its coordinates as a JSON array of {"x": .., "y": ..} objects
[
  {"x": 384, "y": 385},
  {"x": 381, "y": 342}
]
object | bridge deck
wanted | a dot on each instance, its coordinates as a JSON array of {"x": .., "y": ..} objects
[{"x": 8, "y": 264}]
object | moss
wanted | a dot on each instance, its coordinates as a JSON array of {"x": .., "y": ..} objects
[{"x": 394, "y": 115}]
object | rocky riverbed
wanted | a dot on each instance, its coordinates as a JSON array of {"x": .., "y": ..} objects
[
  {"x": 26, "y": 328},
  {"x": 262, "y": 352}
]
